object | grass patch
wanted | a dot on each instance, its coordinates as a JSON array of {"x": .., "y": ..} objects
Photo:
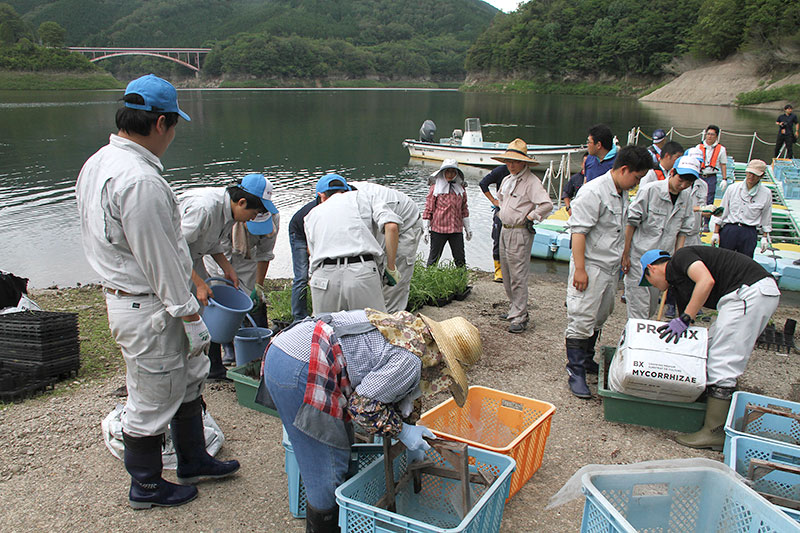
[
  {"x": 34, "y": 81},
  {"x": 789, "y": 93},
  {"x": 535, "y": 87}
]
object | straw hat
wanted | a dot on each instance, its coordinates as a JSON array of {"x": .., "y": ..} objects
[
  {"x": 517, "y": 151},
  {"x": 460, "y": 344}
]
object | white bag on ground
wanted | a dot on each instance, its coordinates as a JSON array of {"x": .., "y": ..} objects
[
  {"x": 112, "y": 435},
  {"x": 647, "y": 367}
]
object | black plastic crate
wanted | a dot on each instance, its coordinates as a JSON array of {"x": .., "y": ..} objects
[
  {"x": 18, "y": 384},
  {"x": 56, "y": 368},
  {"x": 33, "y": 351},
  {"x": 38, "y": 326}
]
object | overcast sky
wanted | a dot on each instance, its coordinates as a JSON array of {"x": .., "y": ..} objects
[{"x": 504, "y": 5}]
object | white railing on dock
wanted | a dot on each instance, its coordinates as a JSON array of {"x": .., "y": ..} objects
[{"x": 633, "y": 138}]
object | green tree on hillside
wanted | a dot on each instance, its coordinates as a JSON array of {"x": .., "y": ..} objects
[
  {"x": 720, "y": 28},
  {"x": 52, "y": 34},
  {"x": 12, "y": 27}
]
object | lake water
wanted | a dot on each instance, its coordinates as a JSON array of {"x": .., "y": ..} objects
[{"x": 294, "y": 136}]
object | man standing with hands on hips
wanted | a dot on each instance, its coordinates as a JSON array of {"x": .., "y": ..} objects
[
  {"x": 523, "y": 201},
  {"x": 746, "y": 205},
  {"x": 131, "y": 232}
]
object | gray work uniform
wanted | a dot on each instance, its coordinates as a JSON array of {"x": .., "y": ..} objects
[
  {"x": 739, "y": 207},
  {"x": 600, "y": 213},
  {"x": 206, "y": 220},
  {"x": 699, "y": 192},
  {"x": 259, "y": 248},
  {"x": 521, "y": 197},
  {"x": 658, "y": 223},
  {"x": 346, "y": 260},
  {"x": 396, "y": 297},
  {"x": 131, "y": 233}
]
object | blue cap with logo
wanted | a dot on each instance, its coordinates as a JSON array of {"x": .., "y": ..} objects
[
  {"x": 324, "y": 183},
  {"x": 659, "y": 135},
  {"x": 687, "y": 165},
  {"x": 158, "y": 94},
  {"x": 648, "y": 258},
  {"x": 258, "y": 185}
]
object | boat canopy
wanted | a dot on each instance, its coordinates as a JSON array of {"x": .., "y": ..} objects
[{"x": 472, "y": 133}]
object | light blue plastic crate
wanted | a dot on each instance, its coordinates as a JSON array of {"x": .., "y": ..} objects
[
  {"x": 685, "y": 500},
  {"x": 767, "y": 426},
  {"x": 563, "y": 252},
  {"x": 362, "y": 455},
  {"x": 778, "y": 483},
  {"x": 435, "y": 509},
  {"x": 543, "y": 243}
]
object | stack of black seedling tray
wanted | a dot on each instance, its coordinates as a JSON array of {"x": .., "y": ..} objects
[
  {"x": 779, "y": 340},
  {"x": 17, "y": 384},
  {"x": 40, "y": 344}
]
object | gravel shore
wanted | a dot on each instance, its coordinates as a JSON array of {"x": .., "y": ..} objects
[{"x": 57, "y": 475}]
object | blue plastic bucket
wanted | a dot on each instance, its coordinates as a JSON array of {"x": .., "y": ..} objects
[
  {"x": 250, "y": 343},
  {"x": 225, "y": 311}
]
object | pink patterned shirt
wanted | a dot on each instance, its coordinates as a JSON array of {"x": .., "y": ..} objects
[{"x": 446, "y": 211}]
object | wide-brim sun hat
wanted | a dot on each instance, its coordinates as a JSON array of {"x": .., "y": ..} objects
[
  {"x": 448, "y": 163},
  {"x": 460, "y": 345},
  {"x": 517, "y": 150}
]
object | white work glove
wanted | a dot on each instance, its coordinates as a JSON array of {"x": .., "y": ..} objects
[
  {"x": 199, "y": 337},
  {"x": 411, "y": 436},
  {"x": 426, "y": 230},
  {"x": 414, "y": 456},
  {"x": 766, "y": 242},
  {"x": 391, "y": 277},
  {"x": 715, "y": 239},
  {"x": 467, "y": 229}
]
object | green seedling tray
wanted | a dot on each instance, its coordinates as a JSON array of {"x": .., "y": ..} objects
[
  {"x": 618, "y": 407},
  {"x": 247, "y": 386}
]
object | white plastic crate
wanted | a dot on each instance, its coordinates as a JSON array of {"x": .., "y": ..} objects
[
  {"x": 677, "y": 500},
  {"x": 775, "y": 427}
]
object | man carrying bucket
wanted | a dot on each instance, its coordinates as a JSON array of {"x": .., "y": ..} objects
[
  {"x": 131, "y": 232},
  {"x": 207, "y": 217},
  {"x": 745, "y": 296}
]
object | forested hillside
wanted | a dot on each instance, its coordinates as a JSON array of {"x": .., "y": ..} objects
[
  {"x": 615, "y": 38},
  {"x": 284, "y": 38}
]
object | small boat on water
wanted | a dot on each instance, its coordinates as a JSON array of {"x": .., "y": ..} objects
[{"x": 468, "y": 147}]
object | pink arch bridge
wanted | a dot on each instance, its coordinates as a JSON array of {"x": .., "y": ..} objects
[{"x": 188, "y": 57}]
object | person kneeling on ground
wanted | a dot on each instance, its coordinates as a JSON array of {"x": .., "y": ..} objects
[
  {"x": 745, "y": 296},
  {"x": 364, "y": 366}
]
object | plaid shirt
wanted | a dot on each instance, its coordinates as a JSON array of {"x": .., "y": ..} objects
[
  {"x": 327, "y": 387},
  {"x": 446, "y": 211}
]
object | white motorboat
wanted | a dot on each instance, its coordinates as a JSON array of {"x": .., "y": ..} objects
[{"x": 468, "y": 147}]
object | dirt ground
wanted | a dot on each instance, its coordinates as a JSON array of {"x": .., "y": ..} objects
[{"x": 56, "y": 473}]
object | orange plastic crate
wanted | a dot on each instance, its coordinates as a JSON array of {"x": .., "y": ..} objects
[{"x": 499, "y": 422}]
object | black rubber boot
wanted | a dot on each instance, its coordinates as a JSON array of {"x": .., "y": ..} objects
[
  {"x": 194, "y": 462},
  {"x": 322, "y": 521},
  {"x": 576, "y": 355},
  {"x": 589, "y": 365},
  {"x": 217, "y": 372},
  {"x": 148, "y": 488}
]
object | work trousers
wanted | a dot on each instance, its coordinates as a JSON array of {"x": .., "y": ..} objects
[
  {"x": 456, "y": 241},
  {"x": 588, "y": 310},
  {"x": 300, "y": 280},
  {"x": 497, "y": 227},
  {"x": 346, "y": 286},
  {"x": 742, "y": 316},
  {"x": 788, "y": 140},
  {"x": 322, "y": 467},
  {"x": 396, "y": 297},
  {"x": 160, "y": 375},
  {"x": 711, "y": 181},
  {"x": 515, "y": 261},
  {"x": 642, "y": 302},
  {"x": 742, "y": 239}
]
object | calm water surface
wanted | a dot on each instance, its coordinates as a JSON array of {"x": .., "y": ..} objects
[{"x": 294, "y": 136}]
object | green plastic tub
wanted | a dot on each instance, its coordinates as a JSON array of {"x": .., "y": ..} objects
[
  {"x": 246, "y": 379},
  {"x": 618, "y": 407}
]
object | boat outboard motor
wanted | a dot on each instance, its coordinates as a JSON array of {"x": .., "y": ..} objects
[{"x": 427, "y": 131}]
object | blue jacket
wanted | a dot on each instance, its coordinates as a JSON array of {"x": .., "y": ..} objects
[{"x": 596, "y": 168}]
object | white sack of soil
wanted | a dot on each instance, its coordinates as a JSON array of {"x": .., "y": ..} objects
[{"x": 647, "y": 367}]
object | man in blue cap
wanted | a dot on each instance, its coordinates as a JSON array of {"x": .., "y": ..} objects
[
  {"x": 744, "y": 295},
  {"x": 131, "y": 233},
  {"x": 659, "y": 140},
  {"x": 347, "y": 261}
]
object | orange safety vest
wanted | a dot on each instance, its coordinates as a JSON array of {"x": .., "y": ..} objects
[
  {"x": 714, "y": 155},
  {"x": 659, "y": 174},
  {"x": 655, "y": 154}
]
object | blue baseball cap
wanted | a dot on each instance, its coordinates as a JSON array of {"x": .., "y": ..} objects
[
  {"x": 324, "y": 183},
  {"x": 648, "y": 258},
  {"x": 687, "y": 165},
  {"x": 258, "y": 185},
  {"x": 659, "y": 135},
  {"x": 159, "y": 95}
]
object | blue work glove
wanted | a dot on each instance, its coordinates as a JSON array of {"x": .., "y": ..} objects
[
  {"x": 411, "y": 436},
  {"x": 673, "y": 330},
  {"x": 414, "y": 456}
]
